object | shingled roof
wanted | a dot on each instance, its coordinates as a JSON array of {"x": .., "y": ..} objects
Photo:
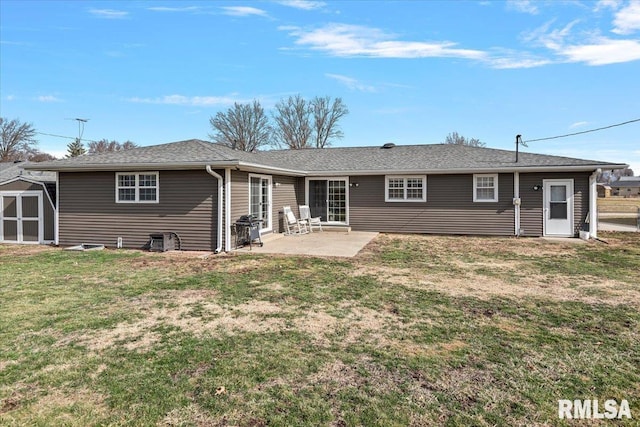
[
  {"x": 12, "y": 170},
  {"x": 429, "y": 158}
]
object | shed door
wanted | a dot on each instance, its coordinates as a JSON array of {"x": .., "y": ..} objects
[
  {"x": 21, "y": 217},
  {"x": 558, "y": 207}
]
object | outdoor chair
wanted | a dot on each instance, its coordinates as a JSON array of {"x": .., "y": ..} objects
[
  {"x": 305, "y": 215},
  {"x": 293, "y": 225}
]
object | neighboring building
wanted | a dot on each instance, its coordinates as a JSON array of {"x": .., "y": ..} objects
[
  {"x": 198, "y": 189},
  {"x": 604, "y": 190},
  {"x": 27, "y": 204},
  {"x": 626, "y": 186}
]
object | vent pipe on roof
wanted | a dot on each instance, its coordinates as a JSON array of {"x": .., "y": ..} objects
[
  {"x": 388, "y": 145},
  {"x": 519, "y": 142}
]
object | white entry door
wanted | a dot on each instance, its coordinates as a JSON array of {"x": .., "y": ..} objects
[
  {"x": 21, "y": 217},
  {"x": 558, "y": 207}
]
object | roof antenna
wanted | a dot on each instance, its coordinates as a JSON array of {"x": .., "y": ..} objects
[{"x": 518, "y": 142}]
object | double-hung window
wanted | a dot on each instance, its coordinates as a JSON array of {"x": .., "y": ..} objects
[
  {"x": 137, "y": 187},
  {"x": 406, "y": 189},
  {"x": 485, "y": 187}
]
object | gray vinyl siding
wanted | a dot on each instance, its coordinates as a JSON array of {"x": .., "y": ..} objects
[
  {"x": 287, "y": 191},
  {"x": 449, "y": 208},
  {"x": 187, "y": 206},
  {"x": 239, "y": 196},
  {"x": 531, "y": 208},
  {"x": 48, "y": 210}
]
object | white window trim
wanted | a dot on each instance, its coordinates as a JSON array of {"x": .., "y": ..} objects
[
  {"x": 495, "y": 187},
  {"x": 137, "y": 187},
  {"x": 405, "y": 178}
]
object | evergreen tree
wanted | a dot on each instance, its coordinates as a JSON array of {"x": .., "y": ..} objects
[{"x": 75, "y": 148}]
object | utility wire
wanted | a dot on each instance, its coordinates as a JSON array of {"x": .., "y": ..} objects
[
  {"x": 584, "y": 131},
  {"x": 62, "y": 136}
]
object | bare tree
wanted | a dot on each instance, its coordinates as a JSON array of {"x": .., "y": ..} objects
[
  {"x": 16, "y": 140},
  {"x": 243, "y": 127},
  {"x": 618, "y": 173},
  {"x": 39, "y": 156},
  {"x": 325, "y": 119},
  {"x": 293, "y": 122},
  {"x": 105, "y": 146},
  {"x": 455, "y": 138}
]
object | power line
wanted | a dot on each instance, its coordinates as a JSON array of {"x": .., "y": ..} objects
[
  {"x": 584, "y": 131},
  {"x": 62, "y": 136}
]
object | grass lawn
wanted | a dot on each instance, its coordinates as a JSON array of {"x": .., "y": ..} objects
[{"x": 416, "y": 330}]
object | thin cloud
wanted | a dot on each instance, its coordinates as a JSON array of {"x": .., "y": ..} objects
[
  {"x": 303, "y": 4},
  {"x": 10, "y": 97},
  {"x": 243, "y": 11},
  {"x": 515, "y": 62},
  {"x": 603, "y": 51},
  {"x": 48, "y": 98},
  {"x": 523, "y": 6},
  {"x": 174, "y": 9},
  {"x": 592, "y": 49},
  {"x": 351, "y": 83},
  {"x": 607, "y": 4},
  {"x": 187, "y": 100},
  {"x": 109, "y": 13},
  {"x": 345, "y": 40},
  {"x": 578, "y": 125},
  {"x": 627, "y": 20}
]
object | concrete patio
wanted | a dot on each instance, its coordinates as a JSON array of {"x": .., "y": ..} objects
[{"x": 327, "y": 243}]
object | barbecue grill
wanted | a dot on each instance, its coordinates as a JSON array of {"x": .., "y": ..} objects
[{"x": 248, "y": 231}]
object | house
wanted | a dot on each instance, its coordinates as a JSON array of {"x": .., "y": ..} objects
[
  {"x": 626, "y": 186},
  {"x": 198, "y": 189},
  {"x": 604, "y": 190},
  {"x": 27, "y": 204}
]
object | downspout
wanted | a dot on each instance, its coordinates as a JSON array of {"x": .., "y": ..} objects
[
  {"x": 516, "y": 202},
  {"x": 220, "y": 201},
  {"x": 56, "y": 212},
  {"x": 593, "y": 204},
  {"x": 227, "y": 209}
]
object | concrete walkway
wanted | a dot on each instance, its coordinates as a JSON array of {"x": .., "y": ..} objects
[{"x": 327, "y": 243}]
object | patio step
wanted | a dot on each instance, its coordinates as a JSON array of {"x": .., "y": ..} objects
[{"x": 338, "y": 228}]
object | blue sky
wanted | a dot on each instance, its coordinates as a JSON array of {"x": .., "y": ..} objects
[{"x": 410, "y": 72}]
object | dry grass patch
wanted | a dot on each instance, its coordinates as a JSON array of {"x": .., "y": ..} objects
[{"x": 192, "y": 311}]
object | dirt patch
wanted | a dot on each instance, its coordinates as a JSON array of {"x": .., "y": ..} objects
[
  {"x": 57, "y": 399},
  {"x": 4, "y": 364},
  {"x": 194, "y": 311},
  {"x": 475, "y": 272},
  {"x": 318, "y": 325},
  {"x": 191, "y": 414}
]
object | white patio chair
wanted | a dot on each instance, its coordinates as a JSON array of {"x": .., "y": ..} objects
[
  {"x": 305, "y": 215},
  {"x": 292, "y": 224}
]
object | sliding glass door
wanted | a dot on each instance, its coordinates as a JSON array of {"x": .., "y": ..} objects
[{"x": 328, "y": 199}]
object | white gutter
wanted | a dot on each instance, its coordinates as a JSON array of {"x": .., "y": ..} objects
[
  {"x": 523, "y": 169},
  {"x": 516, "y": 201},
  {"x": 227, "y": 209},
  {"x": 285, "y": 171},
  {"x": 593, "y": 204},
  {"x": 220, "y": 199}
]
